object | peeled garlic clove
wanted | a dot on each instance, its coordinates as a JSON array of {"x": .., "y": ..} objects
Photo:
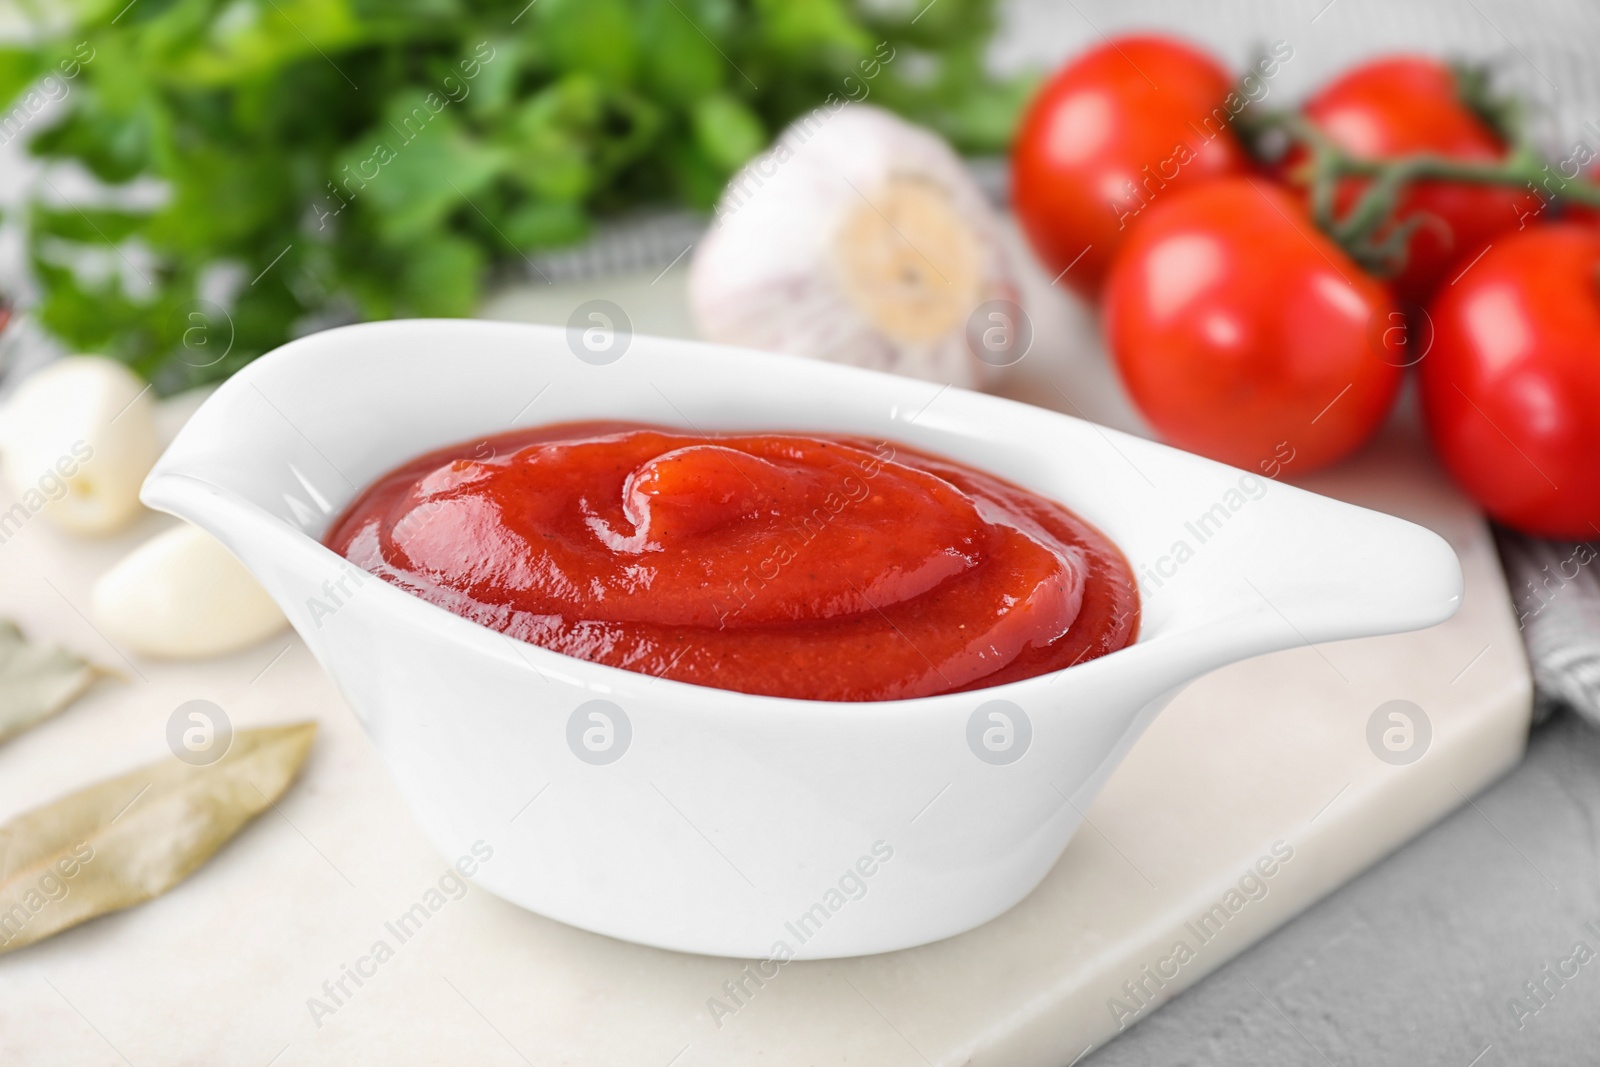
[
  {"x": 857, "y": 238},
  {"x": 182, "y": 595},
  {"x": 76, "y": 440}
]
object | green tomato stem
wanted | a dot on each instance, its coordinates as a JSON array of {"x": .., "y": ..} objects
[{"x": 1374, "y": 210}]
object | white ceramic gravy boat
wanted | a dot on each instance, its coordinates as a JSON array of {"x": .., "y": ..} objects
[{"x": 734, "y": 824}]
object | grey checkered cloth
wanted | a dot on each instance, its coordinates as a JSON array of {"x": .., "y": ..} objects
[{"x": 1555, "y": 591}]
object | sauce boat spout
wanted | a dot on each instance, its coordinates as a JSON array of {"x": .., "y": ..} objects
[{"x": 1234, "y": 565}]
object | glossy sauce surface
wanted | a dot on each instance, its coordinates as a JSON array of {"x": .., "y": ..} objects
[{"x": 819, "y": 568}]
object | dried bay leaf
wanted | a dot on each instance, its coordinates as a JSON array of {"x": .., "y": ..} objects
[
  {"x": 133, "y": 837},
  {"x": 36, "y": 681}
]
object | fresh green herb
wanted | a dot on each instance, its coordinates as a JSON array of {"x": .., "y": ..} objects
[{"x": 272, "y": 166}]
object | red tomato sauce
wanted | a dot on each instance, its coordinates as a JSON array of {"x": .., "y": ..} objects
[{"x": 819, "y": 568}]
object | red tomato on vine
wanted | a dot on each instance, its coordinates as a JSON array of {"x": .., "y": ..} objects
[
  {"x": 1124, "y": 125},
  {"x": 1511, "y": 386},
  {"x": 1403, "y": 105},
  {"x": 1240, "y": 329}
]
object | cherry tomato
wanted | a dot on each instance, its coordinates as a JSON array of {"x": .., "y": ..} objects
[
  {"x": 1243, "y": 333},
  {"x": 1511, "y": 387},
  {"x": 1408, "y": 104},
  {"x": 1124, "y": 125}
]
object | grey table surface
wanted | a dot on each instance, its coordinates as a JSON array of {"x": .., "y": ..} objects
[{"x": 1421, "y": 959}]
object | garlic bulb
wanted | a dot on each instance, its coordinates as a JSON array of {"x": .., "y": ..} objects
[
  {"x": 76, "y": 441},
  {"x": 182, "y": 595},
  {"x": 857, "y": 238}
]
